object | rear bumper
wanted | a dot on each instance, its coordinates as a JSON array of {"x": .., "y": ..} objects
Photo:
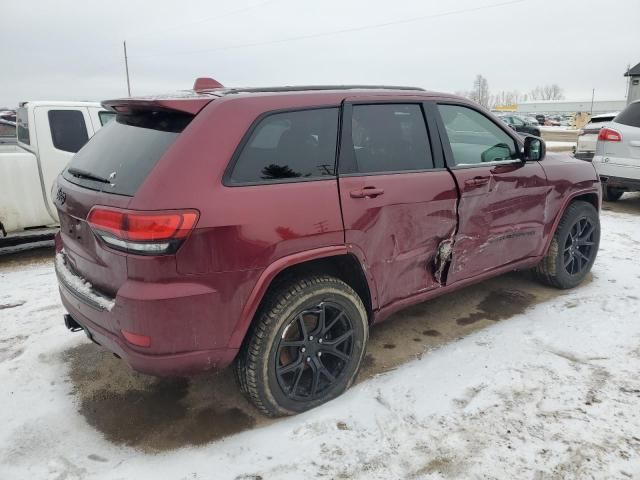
[
  {"x": 179, "y": 319},
  {"x": 178, "y": 364},
  {"x": 617, "y": 174},
  {"x": 631, "y": 184}
]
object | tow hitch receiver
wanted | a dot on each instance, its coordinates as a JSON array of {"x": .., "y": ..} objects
[{"x": 71, "y": 324}]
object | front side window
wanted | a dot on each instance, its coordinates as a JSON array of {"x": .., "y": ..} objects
[
  {"x": 22, "y": 123},
  {"x": 475, "y": 139},
  {"x": 68, "y": 130},
  {"x": 388, "y": 138},
  {"x": 288, "y": 146}
]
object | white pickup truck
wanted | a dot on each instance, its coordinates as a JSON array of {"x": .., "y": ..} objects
[{"x": 48, "y": 135}]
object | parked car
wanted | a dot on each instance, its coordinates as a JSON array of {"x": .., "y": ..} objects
[
  {"x": 588, "y": 136},
  {"x": 7, "y": 132},
  {"x": 520, "y": 125},
  {"x": 274, "y": 226},
  {"x": 617, "y": 156},
  {"x": 48, "y": 134}
]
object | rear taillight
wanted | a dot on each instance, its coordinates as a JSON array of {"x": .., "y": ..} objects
[
  {"x": 144, "y": 233},
  {"x": 609, "y": 135}
]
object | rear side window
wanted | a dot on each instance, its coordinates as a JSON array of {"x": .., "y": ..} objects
[
  {"x": 630, "y": 115},
  {"x": 289, "y": 146},
  {"x": 388, "y": 138},
  {"x": 68, "y": 130},
  {"x": 106, "y": 117},
  {"x": 22, "y": 122},
  {"x": 122, "y": 153},
  {"x": 474, "y": 138}
]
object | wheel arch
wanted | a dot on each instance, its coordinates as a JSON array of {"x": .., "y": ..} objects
[
  {"x": 591, "y": 196},
  {"x": 337, "y": 261}
]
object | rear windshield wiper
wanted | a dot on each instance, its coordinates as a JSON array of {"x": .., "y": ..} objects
[{"x": 76, "y": 172}]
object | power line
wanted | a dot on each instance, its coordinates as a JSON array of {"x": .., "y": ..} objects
[
  {"x": 203, "y": 19},
  {"x": 338, "y": 32}
]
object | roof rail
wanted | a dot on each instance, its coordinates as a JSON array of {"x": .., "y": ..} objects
[{"x": 302, "y": 88}]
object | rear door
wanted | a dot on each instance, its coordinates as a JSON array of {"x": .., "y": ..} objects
[
  {"x": 108, "y": 171},
  {"x": 398, "y": 200},
  {"x": 626, "y": 153},
  {"x": 502, "y": 199}
]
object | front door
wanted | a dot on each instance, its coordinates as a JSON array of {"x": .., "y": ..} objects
[
  {"x": 398, "y": 200},
  {"x": 502, "y": 199}
]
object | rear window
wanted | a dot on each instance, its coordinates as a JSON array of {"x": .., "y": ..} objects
[
  {"x": 630, "y": 115},
  {"x": 22, "y": 120},
  {"x": 122, "y": 153},
  {"x": 68, "y": 130}
]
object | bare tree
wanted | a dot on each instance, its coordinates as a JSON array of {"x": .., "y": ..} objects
[
  {"x": 547, "y": 92},
  {"x": 480, "y": 92}
]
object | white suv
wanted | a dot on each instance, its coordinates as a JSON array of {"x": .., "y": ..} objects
[{"x": 617, "y": 156}]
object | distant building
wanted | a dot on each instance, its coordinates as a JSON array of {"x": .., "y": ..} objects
[
  {"x": 633, "y": 93},
  {"x": 566, "y": 106}
]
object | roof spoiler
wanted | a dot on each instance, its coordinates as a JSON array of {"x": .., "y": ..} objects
[
  {"x": 206, "y": 83},
  {"x": 130, "y": 105}
]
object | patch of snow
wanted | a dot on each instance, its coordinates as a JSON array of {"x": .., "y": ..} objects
[{"x": 79, "y": 284}]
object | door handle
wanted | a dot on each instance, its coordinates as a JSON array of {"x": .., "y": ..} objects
[
  {"x": 366, "y": 192},
  {"x": 476, "y": 181}
]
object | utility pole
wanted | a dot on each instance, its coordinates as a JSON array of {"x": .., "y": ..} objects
[
  {"x": 126, "y": 66},
  {"x": 593, "y": 94}
]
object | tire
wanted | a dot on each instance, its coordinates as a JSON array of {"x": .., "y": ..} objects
[
  {"x": 553, "y": 270},
  {"x": 612, "y": 194},
  {"x": 279, "y": 362}
]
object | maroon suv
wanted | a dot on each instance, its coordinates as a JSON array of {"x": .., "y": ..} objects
[{"x": 274, "y": 226}]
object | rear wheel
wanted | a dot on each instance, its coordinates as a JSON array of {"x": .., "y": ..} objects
[
  {"x": 573, "y": 248},
  {"x": 305, "y": 347},
  {"x": 612, "y": 194}
]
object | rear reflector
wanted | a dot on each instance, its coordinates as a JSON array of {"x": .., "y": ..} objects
[
  {"x": 609, "y": 135},
  {"x": 136, "y": 339},
  {"x": 147, "y": 233}
]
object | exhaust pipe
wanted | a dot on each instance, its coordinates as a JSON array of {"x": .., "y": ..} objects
[{"x": 71, "y": 324}]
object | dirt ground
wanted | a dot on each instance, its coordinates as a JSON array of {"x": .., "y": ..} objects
[{"x": 164, "y": 414}]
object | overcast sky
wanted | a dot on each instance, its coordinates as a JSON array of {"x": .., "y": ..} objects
[{"x": 72, "y": 49}]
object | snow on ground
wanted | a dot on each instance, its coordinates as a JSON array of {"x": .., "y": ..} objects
[{"x": 550, "y": 393}]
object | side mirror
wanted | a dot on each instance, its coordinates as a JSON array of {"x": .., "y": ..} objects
[{"x": 534, "y": 149}]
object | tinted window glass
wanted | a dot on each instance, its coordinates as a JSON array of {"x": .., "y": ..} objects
[
  {"x": 290, "y": 145},
  {"x": 68, "y": 130},
  {"x": 123, "y": 152},
  {"x": 22, "y": 120},
  {"x": 106, "y": 117},
  {"x": 630, "y": 115},
  {"x": 474, "y": 138},
  {"x": 388, "y": 138}
]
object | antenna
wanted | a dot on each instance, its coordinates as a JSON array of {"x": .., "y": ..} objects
[{"x": 126, "y": 66}]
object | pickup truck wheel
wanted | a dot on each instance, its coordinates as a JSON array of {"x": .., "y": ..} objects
[
  {"x": 612, "y": 194},
  {"x": 305, "y": 346},
  {"x": 573, "y": 248}
]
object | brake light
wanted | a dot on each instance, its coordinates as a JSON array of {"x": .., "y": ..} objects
[
  {"x": 145, "y": 233},
  {"x": 609, "y": 135}
]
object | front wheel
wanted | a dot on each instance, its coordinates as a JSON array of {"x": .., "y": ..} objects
[
  {"x": 305, "y": 346},
  {"x": 573, "y": 248}
]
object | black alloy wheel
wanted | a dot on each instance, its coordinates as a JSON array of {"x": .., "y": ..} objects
[{"x": 314, "y": 349}]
